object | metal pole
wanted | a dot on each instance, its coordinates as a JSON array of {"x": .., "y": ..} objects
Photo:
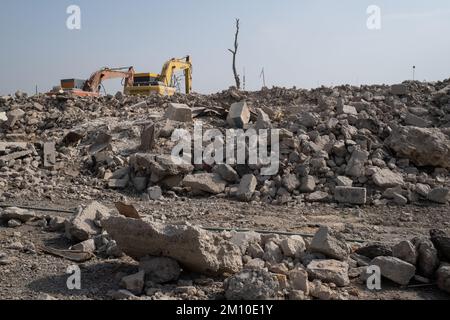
[{"x": 414, "y": 73}]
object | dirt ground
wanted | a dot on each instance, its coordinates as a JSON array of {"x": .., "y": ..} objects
[{"x": 32, "y": 275}]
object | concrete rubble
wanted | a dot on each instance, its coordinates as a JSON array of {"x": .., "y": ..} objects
[{"x": 344, "y": 147}]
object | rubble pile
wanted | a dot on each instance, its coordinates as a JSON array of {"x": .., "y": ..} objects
[
  {"x": 351, "y": 145},
  {"x": 183, "y": 261}
]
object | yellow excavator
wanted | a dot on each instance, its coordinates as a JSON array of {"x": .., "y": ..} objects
[{"x": 164, "y": 83}]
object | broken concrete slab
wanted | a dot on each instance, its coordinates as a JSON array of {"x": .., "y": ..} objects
[
  {"x": 13, "y": 117},
  {"x": 350, "y": 195},
  {"x": 134, "y": 283},
  {"x": 239, "y": 115},
  {"x": 254, "y": 284},
  {"x": 226, "y": 172},
  {"x": 102, "y": 142},
  {"x": 326, "y": 241},
  {"x": 394, "y": 269},
  {"x": 205, "y": 182},
  {"x": 405, "y": 251},
  {"x": 83, "y": 225},
  {"x": 178, "y": 112},
  {"x": 333, "y": 271},
  {"x": 23, "y": 215},
  {"x": 194, "y": 248}
]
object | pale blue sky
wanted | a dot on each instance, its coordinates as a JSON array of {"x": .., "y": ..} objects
[{"x": 301, "y": 43}]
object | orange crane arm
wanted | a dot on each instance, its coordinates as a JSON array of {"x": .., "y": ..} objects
[{"x": 94, "y": 82}]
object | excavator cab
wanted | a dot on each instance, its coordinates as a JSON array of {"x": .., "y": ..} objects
[{"x": 164, "y": 83}]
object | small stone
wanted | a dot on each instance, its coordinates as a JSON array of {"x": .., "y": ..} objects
[
  {"x": 307, "y": 184},
  {"x": 272, "y": 252},
  {"x": 226, "y": 172},
  {"x": 205, "y": 182},
  {"x": 134, "y": 283},
  {"x": 155, "y": 193},
  {"x": 86, "y": 246}
]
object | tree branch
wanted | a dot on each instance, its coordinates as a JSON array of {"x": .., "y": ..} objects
[{"x": 234, "y": 52}]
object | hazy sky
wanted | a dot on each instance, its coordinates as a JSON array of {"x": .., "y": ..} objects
[{"x": 299, "y": 43}]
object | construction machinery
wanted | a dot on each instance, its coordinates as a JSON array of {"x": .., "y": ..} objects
[
  {"x": 166, "y": 82},
  {"x": 92, "y": 86}
]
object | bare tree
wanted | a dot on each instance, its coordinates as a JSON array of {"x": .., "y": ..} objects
[{"x": 234, "y": 52}]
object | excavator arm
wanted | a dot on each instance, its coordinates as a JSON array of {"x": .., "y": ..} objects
[
  {"x": 94, "y": 82},
  {"x": 173, "y": 65}
]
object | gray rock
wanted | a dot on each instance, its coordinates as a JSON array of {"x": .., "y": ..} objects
[
  {"x": 244, "y": 239},
  {"x": 194, "y": 248},
  {"x": 405, "y": 251},
  {"x": 83, "y": 225},
  {"x": 226, "y": 172},
  {"x": 441, "y": 242},
  {"x": 247, "y": 187},
  {"x": 307, "y": 184},
  {"x": 422, "y": 189},
  {"x": 443, "y": 277},
  {"x": 318, "y": 196},
  {"x": 333, "y": 271},
  {"x": 293, "y": 246},
  {"x": 290, "y": 182},
  {"x": 298, "y": 278},
  {"x": 239, "y": 115},
  {"x": 155, "y": 193},
  {"x": 22, "y": 215},
  {"x": 355, "y": 166},
  {"x": 374, "y": 250},
  {"x": 178, "y": 112},
  {"x": 272, "y": 252},
  {"x": 385, "y": 178},
  {"x": 13, "y": 223},
  {"x": 350, "y": 195},
  {"x": 399, "y": 89},
  {"x": 160, "y": 269},
  {"x": 326, "y": 242},
  {"x": 428, "y": 260},
  {"x": 415, "y": 121},
  {"x": 134, "y": 283},
  {"x": 308, "y": 119},
  {"x": 263, "y": 120},
  {"x": 394, "y": 269},
  {"x": 423, "y": 146},
  {"x": 439, "y": 195},
  {"x": 251, "y": 285},
  {"x": 343, "y": 181},
  {"x": 86, "y": 246},
  {"x": 206, "y": 182}
]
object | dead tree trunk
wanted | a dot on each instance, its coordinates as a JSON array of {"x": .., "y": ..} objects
[{"x": 234, "y": 52}]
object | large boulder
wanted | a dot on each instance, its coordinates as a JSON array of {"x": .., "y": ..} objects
[
  {"x": 194, "y": 248},
  {"x": 386, "y": 178},
  {"x": 423, "y": 146}
]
